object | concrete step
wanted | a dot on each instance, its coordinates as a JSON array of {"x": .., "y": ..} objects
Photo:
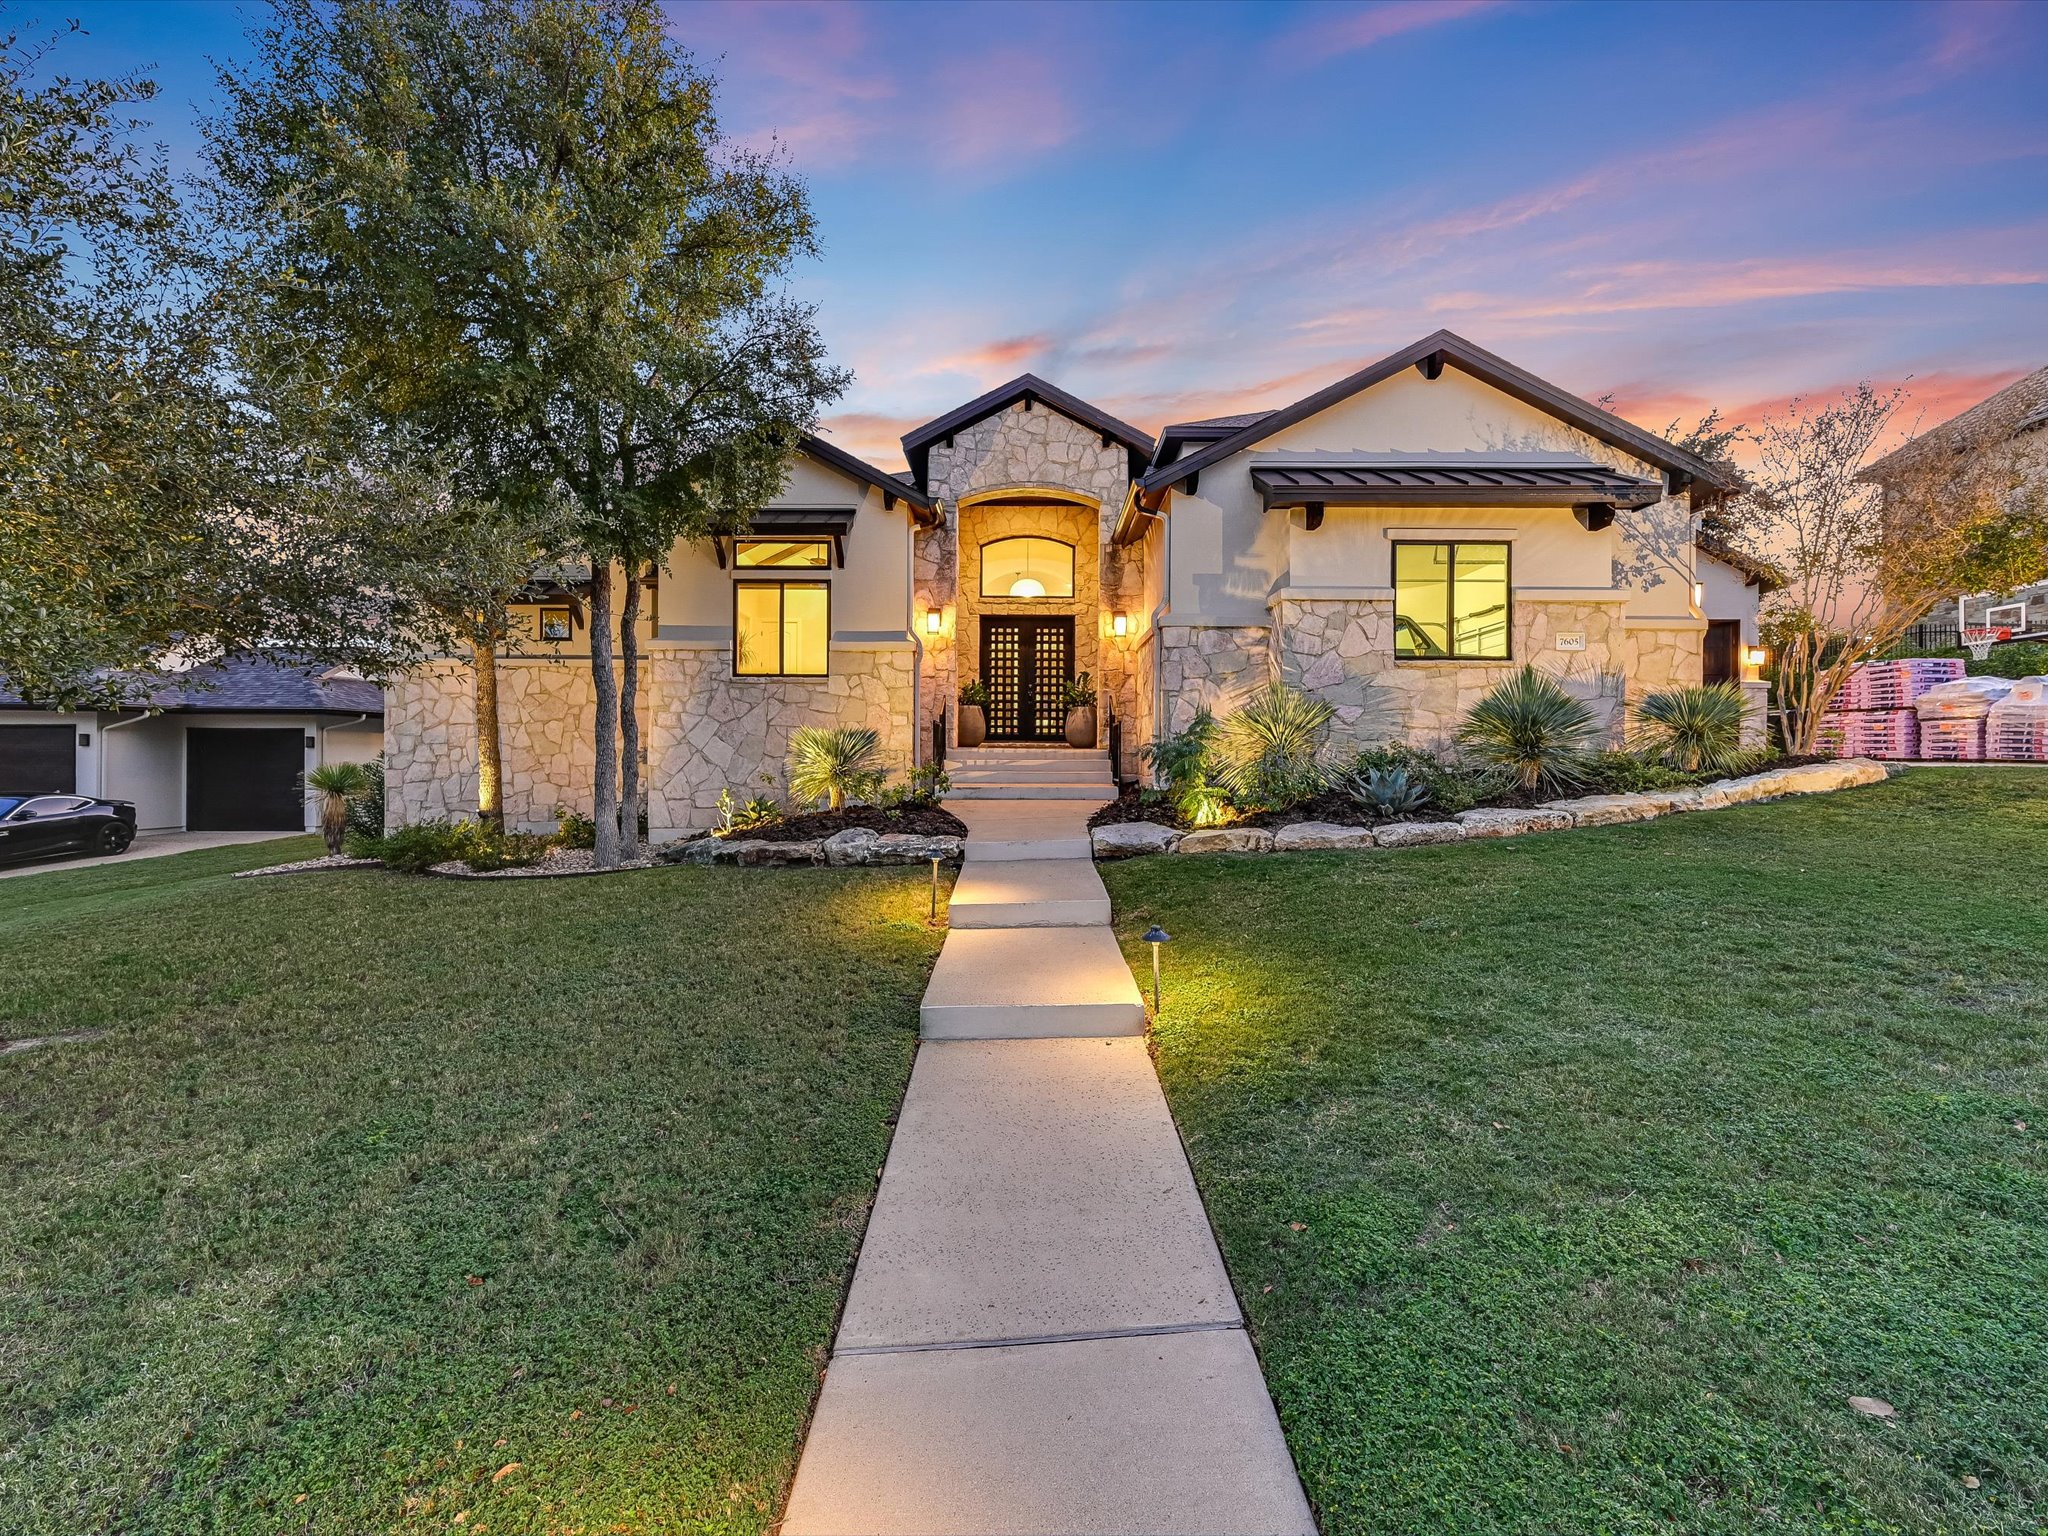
[
  {"x": 1031, "y": 984},
  {"x": 1002, "y": 830},
  {"x": 1029, "y": 893},
  {"x": 1157, "y": 1433},
  {"x": 1014, "y": 790},
  {"x": 958, "y": 760},
  {"x": 1037, "y": 773}
]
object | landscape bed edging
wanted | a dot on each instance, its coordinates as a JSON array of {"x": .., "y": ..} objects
[{"x": 1134, "y": 839}]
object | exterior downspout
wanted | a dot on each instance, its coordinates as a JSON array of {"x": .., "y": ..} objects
[
  {"x": 916, "y": 640},
  {"x": 106, "y": 757},
  {"x": 334, "y": 725}
]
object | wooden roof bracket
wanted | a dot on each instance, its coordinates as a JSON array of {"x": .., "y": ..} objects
[
  {"x": 1432, "y": 366},
  {"x": 1312, "y": 518},
  {"x": 1595, "y": 515}
]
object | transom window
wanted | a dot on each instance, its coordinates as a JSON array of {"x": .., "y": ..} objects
[
  {"x": 1451, "y": 602},
  {"x": 781, "y": 628},
  {"x": 1027, "y": 567},
  {"x": 784, "y": 554}
]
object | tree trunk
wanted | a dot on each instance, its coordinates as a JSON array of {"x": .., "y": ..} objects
[
  {"x": 605, "y": 791},
  {"x": 490, "y": 751},
  {"x": 629, "y": 719}
]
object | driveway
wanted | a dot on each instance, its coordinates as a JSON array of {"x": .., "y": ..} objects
[{"x": 150, "y": 845}]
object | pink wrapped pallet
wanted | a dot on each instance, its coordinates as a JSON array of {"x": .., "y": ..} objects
[
  {"x": 2016, "y": 730},
  {"x": 1951, "y": 740},
  {"x": 1896, "y": 684},
  {"x": 1889, "y": 733},
  {"x": 1967, "y": 698}
]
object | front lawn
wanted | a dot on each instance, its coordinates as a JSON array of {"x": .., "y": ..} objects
[
  {"x": 390, "y": 1204},
  {"x": 1574, "y": 1183}
]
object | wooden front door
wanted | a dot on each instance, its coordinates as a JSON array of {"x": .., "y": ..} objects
[
  {"x": 1718, "y": 662},
  {"x": 1026, "y": 664}
]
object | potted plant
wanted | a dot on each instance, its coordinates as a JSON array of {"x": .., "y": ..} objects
[
  {"x": 1080, "y": 711},
  {"x": 973, "y": 718}
]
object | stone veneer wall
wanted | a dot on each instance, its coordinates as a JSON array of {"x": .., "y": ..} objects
[
  {"x": 545, "y": 710},
  {"x": 1664, "y": 655},
  {"x": 1342, "y": 651},
  {"x": 1217, "y": 665},
  {"x": 708, "y": 730},
  {"x": 1019, "y": 448}
]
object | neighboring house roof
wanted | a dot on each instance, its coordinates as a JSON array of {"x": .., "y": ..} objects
[
  {"x": 917, "y": 442},
  {"x": 889, "y": 485},
  {"x": 1432, "y": 354},
  {"x": 253, "y": 685},
  {"x": 2022, "y": 406},
  {"x": 1439, "y": 479},
  {"x": 1760, "y": 574}
]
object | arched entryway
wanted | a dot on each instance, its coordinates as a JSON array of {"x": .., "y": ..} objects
[{"x": 1030, "y": 600}]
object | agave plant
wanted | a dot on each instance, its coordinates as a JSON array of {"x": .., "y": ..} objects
[
  {"x": 832, "y": 765},
  {"x": 336, "y": 784},
  {"x": 1695, "y": 730},
  {"x": 1271, "y": 753},
  {"x": 1386, "y": 792},
  {"x": 1529, "y": 726}
]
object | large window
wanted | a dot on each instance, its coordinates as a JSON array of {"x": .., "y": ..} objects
[
  {"x": 783, "y": 554},
  {"x": 1451, "y": 602},
  {"x": 781, "y": 628},
  {"x": 1027, "y": 567}
]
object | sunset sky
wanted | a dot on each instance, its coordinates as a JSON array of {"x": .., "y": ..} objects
[{"x": 1180, "y": 211}]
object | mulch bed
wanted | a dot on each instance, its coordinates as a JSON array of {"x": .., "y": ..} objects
[
  {"x": 921, "y": 820},
  {"x": 1333, "y": 807}
]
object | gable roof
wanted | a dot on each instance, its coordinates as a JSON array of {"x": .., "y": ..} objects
[
  {"x": 917, "y": 442},
  {"x": 1432, "y": 354},
  {"x": 269, "y": 683},
  {"x": 2022, "y": 406},
  {"x": 814, "y": 446}
]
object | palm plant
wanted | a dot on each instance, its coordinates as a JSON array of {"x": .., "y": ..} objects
[
  {"x": 1270, "y": 753},
  {"x": 336, "y": 784},
  {"x": 1529, "y": 726},
  {"x": 832, "y": 765},
  {"x": 1695, "y": 730}
]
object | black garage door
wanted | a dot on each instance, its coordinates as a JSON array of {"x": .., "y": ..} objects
[
  {"x": 244, "y": 781},
  {"x": 37, "y": 760}
]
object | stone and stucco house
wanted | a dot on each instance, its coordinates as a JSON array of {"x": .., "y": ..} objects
[{"x": 1394, "y": 543}]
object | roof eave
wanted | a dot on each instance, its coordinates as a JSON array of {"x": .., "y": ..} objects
[{"x": 922, "y": 507}]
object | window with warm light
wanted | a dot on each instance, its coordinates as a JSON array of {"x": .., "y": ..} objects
[
  {"x": 781, "y": 628},
  {"x": 1451, "y": 602},
  {"x": 1027, "y": 567},
  {"x": 783, "y": 554}
]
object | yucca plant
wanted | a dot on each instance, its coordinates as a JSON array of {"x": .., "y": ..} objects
[
  {"x": 832, "y": 765},
  {"x": 1530, "y": 727},
  {"x": 1271, "y": 753},
  {"x": 1695, "y": 730},
  {"x": 336, "y": 784}
]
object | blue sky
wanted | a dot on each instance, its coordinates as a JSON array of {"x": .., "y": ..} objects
[{"x": 1182, "y": 210}]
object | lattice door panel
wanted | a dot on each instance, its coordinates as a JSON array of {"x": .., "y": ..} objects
[
  {"x": 1049, "y": 663},
  {"x": 1002, "y": 654}
]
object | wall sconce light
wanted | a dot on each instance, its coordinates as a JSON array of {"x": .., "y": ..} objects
[
  {"x": 1156, "y": 936},
  {"x": 311, "y": 743},
  {"x": 85, "y": 738},
  {"x": 1120, "y": 624},
  {"x": 933, "y": 621},
  {"x": 1754, "y": 655},
  {"x": 1699, "y": 594}
]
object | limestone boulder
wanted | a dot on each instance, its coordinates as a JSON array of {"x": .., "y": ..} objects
[
  {"x": 1227, "y": 840},
  {"x": 1307, "y": 836},
  {"x": 1611, "y": 810},
  {"x": 853, "y": 846},
  {"x": 760, "y": 853},
  {"x": 689, "y": 850},
  {"x": 1128, "y": 839},
  {"x": 1504, "y": 821},
  {"x": 912, "y": 848},
  {"x": 1417, "y": 834}
]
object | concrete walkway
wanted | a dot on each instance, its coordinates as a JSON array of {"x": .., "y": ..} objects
[{"x": 1040, "y": 1336}]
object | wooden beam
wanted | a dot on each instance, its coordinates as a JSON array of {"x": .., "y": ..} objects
[
  {"x": 1595, "y": 515},
  {"x": 1675, "y": 481},
  {"x": 1314, "y": 518},
  {"x": 1187, "y": 486},
  {"x": 1432, "y": 366}
]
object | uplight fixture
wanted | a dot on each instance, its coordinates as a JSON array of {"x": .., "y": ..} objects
[
  {"x": 1120, "y": 624},
  {"x": 1156, "y": 936}
]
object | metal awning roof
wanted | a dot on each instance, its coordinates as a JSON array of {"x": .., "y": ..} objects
[
  {"x": 1445, "y": 479},
  {"x": 818, "y": 522}
]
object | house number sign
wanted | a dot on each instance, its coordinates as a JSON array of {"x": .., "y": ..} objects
[{"x": 1571, "y": 639}]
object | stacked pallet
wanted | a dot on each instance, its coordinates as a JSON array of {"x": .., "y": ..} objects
[
  {"x": 2016, "y": 730},
  {"x": 1874, "y": 714},
  {"x": 1953, "y": 716}
]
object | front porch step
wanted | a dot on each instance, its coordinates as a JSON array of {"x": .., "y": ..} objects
[
  {"x": 1029, "y": 893},
  {"x": 982, "y": 758},
  {"x": 1034, "y": 773},
  {"x": 1031, "y": 984},
  {"x": 1012, "y": 790}
]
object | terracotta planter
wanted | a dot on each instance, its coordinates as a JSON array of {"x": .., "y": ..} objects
[
  {"x": 973, "y": 725},
  {"x": 1081, "y": 726}
]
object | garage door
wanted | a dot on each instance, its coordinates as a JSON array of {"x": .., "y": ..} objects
[
  {"x": 37, "y": 760},
  {"x": 244, "y": 781}
]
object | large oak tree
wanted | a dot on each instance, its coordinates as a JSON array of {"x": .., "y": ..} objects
[{"x": 515, "y": 227}]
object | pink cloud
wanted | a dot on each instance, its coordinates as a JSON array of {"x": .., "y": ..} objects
[
  {"x": 1004, "y": 106},
  {"x": 871, "y": 436},
  {"x": 1331, "y": 36}
]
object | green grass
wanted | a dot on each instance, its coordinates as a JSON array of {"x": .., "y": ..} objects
[
  {"x": 1573, "y": 1183},
  {"x": 377, "y": 1186}
]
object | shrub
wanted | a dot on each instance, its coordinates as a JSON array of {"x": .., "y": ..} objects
[
  {"x": 1695, "y": 730},
  {"x": 1453, "y": 785},
  {"x": 506, "y": 850},
  {"x": 929, "y": 783},
  {"x": 733, "y": 816},
  {"x": 834, "y": 765},
  {"x": 1624, "y": 773},
  {"x": 1386, "y": 792},
  {"x": 420, "y": 845},
  {"x": 1270, "y": 754},
  {"x": 1179, "y": 760},
  {"x": 1528, "y": 726},
  {"x": 573, "y": 829},
  {"x": 366, "y": 806}
]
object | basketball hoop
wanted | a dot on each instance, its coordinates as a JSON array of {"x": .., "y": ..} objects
[{"x": 1981, "y": 637}]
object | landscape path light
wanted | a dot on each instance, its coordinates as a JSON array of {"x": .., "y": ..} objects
[
  {"x": 1156, "y": 936},
  {"x": 935, "y": 887}
]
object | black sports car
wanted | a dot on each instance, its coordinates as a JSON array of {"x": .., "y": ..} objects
[{"x": 49, "y": 826}]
